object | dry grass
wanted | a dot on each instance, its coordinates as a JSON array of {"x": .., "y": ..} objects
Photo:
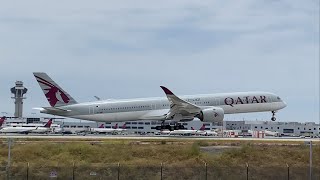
[{"x": 150, "y": 152}]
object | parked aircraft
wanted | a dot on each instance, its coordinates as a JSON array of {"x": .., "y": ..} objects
[
  {"x": 26, "y": 130},
  {"x": 203, "y": 132},
  {"x": 187, "y": 132},
  {"x": 121, "y": 129},
  {"x": 2, "y": 121},
  {"x": 102, "y": 130},
  {"x": 208, "y": 108}
]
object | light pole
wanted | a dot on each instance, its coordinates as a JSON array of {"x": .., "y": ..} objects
[
  {"x": 310, "y": 173},
  {"x": 310, "y": 158},
  {"x": 9, "y": 157}
]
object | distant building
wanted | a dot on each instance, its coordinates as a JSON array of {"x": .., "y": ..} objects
[{"x": 283, "y": 128}]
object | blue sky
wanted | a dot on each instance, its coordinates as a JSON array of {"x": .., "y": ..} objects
[{"x": 127, "y": 49}]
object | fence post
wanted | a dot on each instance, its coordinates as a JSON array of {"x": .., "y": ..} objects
[
  {"x": 73, "y": 168},
  {"x": 206, "y": 166},
  {"x": 161, "y": 169},
  {"x": 288, "y": 171},
  {"x": 118, "y": 171},
  {"x": 247, "y": 170},
  {"x": 28, "y": 171},
  {"x": 310, "y": 166},
  {"x": 9, "y": 158}
]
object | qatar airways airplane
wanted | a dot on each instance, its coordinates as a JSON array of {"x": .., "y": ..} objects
[{"x": 208, "y": 108}]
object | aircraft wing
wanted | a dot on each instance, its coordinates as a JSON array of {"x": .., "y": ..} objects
[
  {"x": 179, "y": 106},
  {"x": 155, "y": 115}
]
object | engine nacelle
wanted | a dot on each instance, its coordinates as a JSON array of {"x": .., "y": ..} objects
[{"x": 215, "y": 114}]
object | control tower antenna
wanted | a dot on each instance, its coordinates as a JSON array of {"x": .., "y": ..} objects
[{"x": 18, "y": 94}]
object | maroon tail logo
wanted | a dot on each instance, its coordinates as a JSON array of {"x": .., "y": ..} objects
[
  {"x": 52, "y": 93},
  {"x": 2, "y": 120},
  {"x": 48, "y": 125},
  {"x": 203, "y": 127}
]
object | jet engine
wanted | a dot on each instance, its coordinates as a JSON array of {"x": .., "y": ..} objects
[{"x": 214, "y": 114}]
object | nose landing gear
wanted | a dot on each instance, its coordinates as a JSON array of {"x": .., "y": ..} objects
[{"x": 273, "y": 118}]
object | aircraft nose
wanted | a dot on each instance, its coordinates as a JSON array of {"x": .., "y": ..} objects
[{"x": 284, "y": 104}]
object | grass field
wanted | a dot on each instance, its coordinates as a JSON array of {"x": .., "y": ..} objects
[
  {"x": 173, "y": 152},
  {"x": 180, "y": 159}
]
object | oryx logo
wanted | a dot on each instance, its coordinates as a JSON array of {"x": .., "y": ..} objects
[
  {"x": 216, "y": 114},
  {"x": 54, "y": 94}
]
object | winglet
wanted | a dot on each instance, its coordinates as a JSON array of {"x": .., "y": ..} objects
[{"x": 166, "y": 90}]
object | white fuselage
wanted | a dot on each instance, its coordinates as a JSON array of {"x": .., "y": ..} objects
[
  {"x": 183, "y": 132},
  {"x": 206, "y": 133},
  {"x": 156, "y": 108},
  {"x": 25, "y": 130},
  {"x": 105, "y": 130}
]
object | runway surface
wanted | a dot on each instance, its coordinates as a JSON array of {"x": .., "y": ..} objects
[{"x": 93, "y": 138}]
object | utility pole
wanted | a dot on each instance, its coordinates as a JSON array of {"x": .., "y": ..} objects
[
  {"x": 310, "y": 173},
  {"x": 9, "y": 157}
]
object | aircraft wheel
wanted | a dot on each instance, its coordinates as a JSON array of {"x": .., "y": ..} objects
[{"x": 171, "y": 128}]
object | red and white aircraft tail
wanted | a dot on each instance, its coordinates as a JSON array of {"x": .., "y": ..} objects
[
  {"x": 202, "y": 128},
  {"x": 48, "y": 124},
  {"x": 2, "y": 120},
  {"x": 55, "y": 95},
  {"x": 124, "y": 126}
]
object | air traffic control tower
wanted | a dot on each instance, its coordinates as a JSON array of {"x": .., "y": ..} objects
[{"x": 18, "y": 94}]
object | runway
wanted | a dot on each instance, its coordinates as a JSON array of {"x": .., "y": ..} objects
[{"x": 114, "y": 137}]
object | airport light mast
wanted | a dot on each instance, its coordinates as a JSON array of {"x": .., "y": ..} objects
[{"x": 18, "y": 94}]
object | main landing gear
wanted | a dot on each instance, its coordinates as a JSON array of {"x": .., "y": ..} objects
[
  {"x": 176, "y": 126},
  {"x": 273, "y": 118}
]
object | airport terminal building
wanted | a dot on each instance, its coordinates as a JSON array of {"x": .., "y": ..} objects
[
  {"x": 147, "y": 127},
  {"x": 283, "y": 128}
]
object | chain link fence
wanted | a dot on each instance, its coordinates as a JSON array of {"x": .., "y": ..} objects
[{"x": 156, "y": 172}]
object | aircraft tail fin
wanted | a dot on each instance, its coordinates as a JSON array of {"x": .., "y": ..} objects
[
  {"x": 203, "y": 127},
  {"x": 2, "y": 120},
  {"x": 101, "y": 126},
  {"x": 124, "y": 126},
  {"x": 116, "y": 126},
  {"x": 55, "y": 95},
  {"x": 48, "y": 125},
  {"x": 192, "y": 128}
]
